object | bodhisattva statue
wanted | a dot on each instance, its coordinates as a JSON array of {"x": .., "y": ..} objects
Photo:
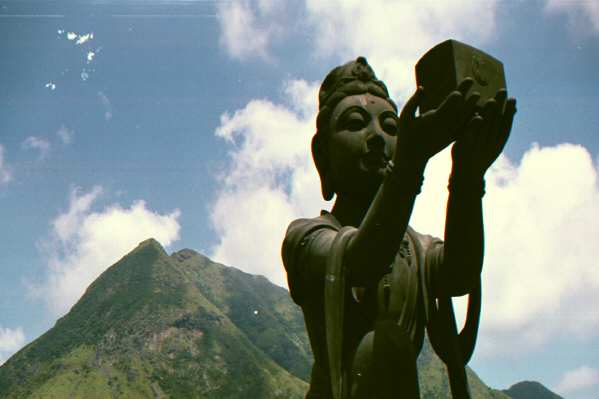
[{"x": 367, "y": 283}]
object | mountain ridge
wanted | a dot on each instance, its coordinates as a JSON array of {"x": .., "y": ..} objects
[{"x": 182, "y": 326}]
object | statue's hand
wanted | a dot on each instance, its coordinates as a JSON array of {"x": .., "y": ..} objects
[
  {"x": 421, "y": 137},
  {"x": 484, "y": 138}
]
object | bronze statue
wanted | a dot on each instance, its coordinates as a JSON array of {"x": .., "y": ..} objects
[{"x": 367, "y": 283}]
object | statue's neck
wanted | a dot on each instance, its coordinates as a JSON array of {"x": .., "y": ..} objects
[{"x": 350, "y": 211}]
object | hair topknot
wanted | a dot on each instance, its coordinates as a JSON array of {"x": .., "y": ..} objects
[{"x": 354, "y": 77}]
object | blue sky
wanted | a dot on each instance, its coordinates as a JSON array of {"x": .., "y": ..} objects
[{"x": 190, "y": 121}]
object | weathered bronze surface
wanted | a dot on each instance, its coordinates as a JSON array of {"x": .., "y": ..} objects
[
  {"x": 367, "y": 283},
  {"x": 442, "y": 68}
]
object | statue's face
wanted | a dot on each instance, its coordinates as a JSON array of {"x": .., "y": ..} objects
[{"x": 362, "y": 137}]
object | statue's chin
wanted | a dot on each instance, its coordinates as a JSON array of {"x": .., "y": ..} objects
[{"x": 364, "y": 188}]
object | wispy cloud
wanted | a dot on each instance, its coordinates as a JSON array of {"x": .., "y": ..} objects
[
  {"x": 11, "y": 340},
  {"x": 583, "y": 16},
  {"x": 582, "y": 378},
  {"x": 38, "y": 144},
  {"x": 84, "y": 242},
  {"x": 248, "y": 28},
  {"x": 5, "y": 170},
  {"x": 105, "y": 101},
  {"x": 65, "y": 134}
]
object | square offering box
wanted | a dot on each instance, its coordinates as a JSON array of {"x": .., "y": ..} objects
[{"x": 444, "y": 66}]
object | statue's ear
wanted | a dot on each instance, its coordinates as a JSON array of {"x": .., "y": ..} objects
[{"x": 321, "y": 159}]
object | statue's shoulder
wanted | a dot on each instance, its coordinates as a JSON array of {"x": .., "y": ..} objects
[
  {"x": 300, "y": 228},
  {"x": 422, "y": 242},
  {"x": 297, "y": 235}
]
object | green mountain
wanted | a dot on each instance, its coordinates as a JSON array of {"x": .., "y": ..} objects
[
  {"x": 530, "y": 390},
  {"x": 159, "y": 326},
  {"x": 182, "y": 326}
]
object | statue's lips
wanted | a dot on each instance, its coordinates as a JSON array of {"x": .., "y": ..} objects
[{"x": 374, "y": 161}]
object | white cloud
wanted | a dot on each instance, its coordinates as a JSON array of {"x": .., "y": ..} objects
[
  {"x": 578, "y": 379},
  {"x": 11, "y": 340},
  {"x": 248, "y": 28},
  {"x": 50, "y": 85},
  {"x": 394, "y": 34},
  {"x": 582, "y": 15},
  {"x": 65, "y": 134},
  {"x": 37, "y": 143},
  {"x": 270, "y": 182},
  {"x": 5, "y": 170},
  {"x": 391, "y": 34},
  {"x": 85, "y": 242},
  {"x": 541, "y": 219},
  {"x": 71, "y": 35}
]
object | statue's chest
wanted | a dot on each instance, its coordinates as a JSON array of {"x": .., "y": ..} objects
[
  {"x": 397, "y": 297},
  {"x": 397, "y": 292}
]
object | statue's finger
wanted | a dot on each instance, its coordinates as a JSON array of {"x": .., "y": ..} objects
[
  {"x": 465, "y": 85},
  {"x": 501, "y": 97},
  {"x": 470, "y": 106},
  {"x": 489, "y": 109},
  {"x": 408, "y": 112},
  {"x": 471, "y": 102},
  {"x": 450, "y": 112}
]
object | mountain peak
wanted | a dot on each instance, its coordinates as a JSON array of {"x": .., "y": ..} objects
[
  {"x": 149, "y": 246},
  {"x": 151, "y": 242},
  {"x": 530, "y": 390}
]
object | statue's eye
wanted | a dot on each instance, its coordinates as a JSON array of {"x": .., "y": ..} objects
[
  {"x": 389, "y": 123},
  {"x": 354, "y": 121}
]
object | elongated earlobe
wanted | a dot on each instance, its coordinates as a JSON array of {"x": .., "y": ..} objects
[
  {"x": 320, "y": 157},
  {"x": 326, "y": 187}
]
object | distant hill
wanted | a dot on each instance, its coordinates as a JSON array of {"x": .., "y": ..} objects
[
  {"x": 182, "y": 326},
  {"x": 530, "y": 390}
]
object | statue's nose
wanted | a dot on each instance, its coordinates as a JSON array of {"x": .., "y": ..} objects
[{"x": 376, "y": 143}]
